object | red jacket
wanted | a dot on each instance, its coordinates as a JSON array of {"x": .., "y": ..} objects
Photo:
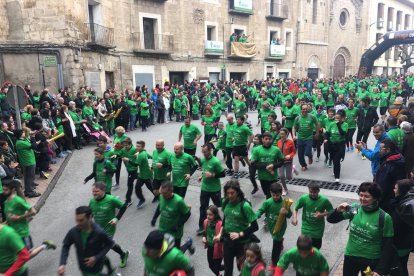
[
  {"x": 287, "y": 148},
  {"x": 218, "y": 246}
]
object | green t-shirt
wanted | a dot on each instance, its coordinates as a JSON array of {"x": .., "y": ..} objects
[
  {"x": 397, "y": 135},
  {"x": 181, "y": 165},
  {"x": 335, "y": 136},
  {"x": 313, "y": 265},
  {"x": 375, "y": 99},
  {"x": 235, "y": 221},
  {"x": 221, "y": 139},
  {"x": 178, "y": 105},
  {"x": 208, "y": 121},
  {"x": 143, "y": 165},
  {"x": 305, "y": 126},
  {"x": 173, "y": 259},
  {"x": 196, "y": 108},
  {"x": 131, "y": 165},
  {"x": 104, "y": 210},
  {"x": 384, "y": 101},
  {"x": 314, "y": 227},
  {"x": 189, "y": 133},
  {"x": 145, "y": 112},
  {"x": 118, "y": 143},
  {"x": 162, "y": 157},
  {"x": 263, "y": 114},
  {"x": 87, "y": 113},
  {"x": 271, "y": 209},
  {"x": 365, "y": 235},
  {"x": 212, "y": 165},
  {"x": 101, "y": 176},
  {"x": 239, "y": 108},
  {"x": 247, "y": 270},
  {"x": 133, "y": 107},
  {"x": 230, "y": 135},
  {"x": 10, "y": 245},
  {"x": 25, "y": 152},
  {"x": 351, "y": 115},
  {"x": 266, "y": 156},
  {"x": 17, "y": 206},
  {"x": 170, "y": 212},
  {"x": 241, "y": 135},
  {"x": 290, "y": 113}
]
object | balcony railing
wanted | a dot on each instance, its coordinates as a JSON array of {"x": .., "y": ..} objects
[
  {"x": 213, "y": 48},
  {"x": 153, "y": 43},
  {"x": 101, "y": 36},
  {"x": 278, "y": 11},
  {"x": 275, "y": 51}
]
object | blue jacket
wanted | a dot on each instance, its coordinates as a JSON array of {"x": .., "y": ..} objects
[{"x": 374, "y": 154}]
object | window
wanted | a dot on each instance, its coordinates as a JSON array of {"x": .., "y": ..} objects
[
  {"x": 274, "y": 38},
  {"x": 211, "y": 33},
  {"x": 288, "y": 39},
  {"x": 399, "y": 20},
  {"x": 380, "y": 15},
  {"x": 396, "y": 53},
  {"x": 314, "y": 11},
  {"x": 407, "y": 22},
  {"x": 149, "y": 32},
  {"x": 378, "y": 36},
  {"x": 343, "y": 18},
  {"x": 390, "y": 19}
]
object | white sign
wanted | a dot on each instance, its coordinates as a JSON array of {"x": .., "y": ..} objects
[
  {"x": 277, "y": 51},
  {"x": 214, "y": 46},
  {"x": 243, "y": 5}
]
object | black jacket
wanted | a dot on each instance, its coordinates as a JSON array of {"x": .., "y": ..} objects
[
  {"x": 391, "y": 169},
  {"x": 98, "y": 245},
  {"x": 367, "y": 121},
  {"x": 403, "y": 233}
]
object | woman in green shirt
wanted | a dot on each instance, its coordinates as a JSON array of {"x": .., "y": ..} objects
[
  {"x": 208, "y": 121},
  {"x": 336, "y": 134},
  {"x": 371, "y": 232},
  {"x": 239, "y": 224},
  {"x": 240, "y": 107}
]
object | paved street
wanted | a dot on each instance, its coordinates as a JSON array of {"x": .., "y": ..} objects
[{"x": 57, "y": 215}]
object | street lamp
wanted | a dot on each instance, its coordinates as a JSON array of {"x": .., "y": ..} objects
[{"x": 223, "y": 67}]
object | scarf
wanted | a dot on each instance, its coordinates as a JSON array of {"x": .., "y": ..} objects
[{"x": 72, "y": 125}]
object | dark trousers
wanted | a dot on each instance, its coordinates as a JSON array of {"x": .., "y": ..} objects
[
  {"x": 161, "y": 115},
  {"x": 213, "y": 264},
  {"x": 231, "y": 250},
  {"x": 144, "y": 122},
  {"x": 326, "y": 149},
  {"x": 354, "y": 265},
  {"x": 178, "y": 116},
  {"x": 304, "y": 149},
  {"x": 204, "y": 203},
  {"x": 2, "y": 200},
  {"x": 337, "y": 151},
  {"x": 350, "y": 137},
  {"x": 181, "y": 191},
  {"x": 403, "y": 263},
  {"x": 138, "y": 187},
  {"x": 29, "y": 173},
  {"x": 118, "y": 170},
  {"x": 207, "y": 139},
  {"x": 252, "y": 176},
  {"x": 266, "y": 187},
  {"x": 191, "y": 152},
  {"x": 317, "y": 243},
  {"x": 317, "y": 144},
  {"x": 229, "y": 160},
  {"x": 276, "y": 250},
  {"x": 132, "y": 176},
  {"x": 363, "y": 134}
]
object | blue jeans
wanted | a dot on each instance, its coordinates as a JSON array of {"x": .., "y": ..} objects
[{"x": 304, "y": 149}]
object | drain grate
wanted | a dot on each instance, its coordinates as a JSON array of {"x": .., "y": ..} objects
[{"x": 328, "y": 185}]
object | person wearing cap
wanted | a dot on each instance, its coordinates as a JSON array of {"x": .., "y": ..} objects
[
  {"x": 397, "y": 107},
  {"x": 161, "y": 257}
]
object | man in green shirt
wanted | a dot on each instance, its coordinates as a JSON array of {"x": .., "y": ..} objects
[
  {"x": 395, "y": 133},
  {"x": 212, "y": 171},
  {"x": 173, "y": 212},
  {"x": 103, "y": 170},
  {"x": 266, "y": 158},
  {"x": 24, "y": 150},
  {"x": 162, "y": 258},
  {"x": 315, "y": 208},
  {"x": 160, "y": 166},
  {"x": 306, "y": 260},
  {"x": 229, "y": 143},
  {"x": 119, "y": 137},
  {"x": 103, "y": 208},
  {"x": 145, "y": 174},
  {"x": 191, "y": 134},
  {"x": 183, "y": 166},
  {"x": 13, "y": 253},
  {"x": 351, "y": 119},
  {"x": 303, "y": 128},
  {"x": 243, "y": 137},
  {"x": 129, "y": 158}
]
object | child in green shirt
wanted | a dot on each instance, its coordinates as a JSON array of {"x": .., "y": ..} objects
[{"x": 254, "y": 265}]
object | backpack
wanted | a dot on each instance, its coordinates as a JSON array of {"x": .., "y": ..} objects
[
  {"x": 253, "y": 237},
  {"x": 406, "y": 209}
]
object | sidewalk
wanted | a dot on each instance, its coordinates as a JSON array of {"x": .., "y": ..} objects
[
  {"x": 338, "y": 271},
  {"x": 46, "y": 185}
]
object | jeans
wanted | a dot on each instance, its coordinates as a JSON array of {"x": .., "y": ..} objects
[
  {"x": 29, "y": 173},
  {"x": 132, "y": 118},
  {"x": 204, "y": 202},
  {"x": 304, "y": 149},
  {"x": 285, "y": 172}
]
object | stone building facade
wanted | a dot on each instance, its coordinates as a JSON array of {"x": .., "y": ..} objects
[{"x": 124, "y": 43}]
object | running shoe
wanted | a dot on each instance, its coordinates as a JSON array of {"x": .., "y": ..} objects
[
  {"x": 191, "y": 247},
  {"x": 141, "y": 203},
  {"x": 337, "y": 180},
  {"x": 304, "y": 168},
  {"x": 115, "y": 187},
  {"x": 128, "y": 203},
  {"x": 310, "y": 161},
  {"x": 44, "y": 175},
  {"x": 285, "y": 192},
  {"x": 317, "y": 159},
  {"x": 254, "y": 191},
  {"x": 363, "y": 157},
  {"x": 352, "y": 148},
  {"x": 124, "y": 260},
  {"x": 330, "y": 164},
  {"x": 347, "y": 149},
  {"x": 155, "y": 200},
  {"x": 49, "y": 244}
]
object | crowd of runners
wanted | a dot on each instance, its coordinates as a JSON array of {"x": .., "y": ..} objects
[{"x": 315, "y": 117}]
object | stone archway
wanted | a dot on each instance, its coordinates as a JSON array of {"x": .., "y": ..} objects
[{"x": 339, "y": 67}]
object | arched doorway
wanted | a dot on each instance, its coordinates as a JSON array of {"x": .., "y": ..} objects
[{"x": 339, "y": 66}]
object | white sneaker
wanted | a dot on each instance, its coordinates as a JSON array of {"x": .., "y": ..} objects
[
  {"x": 337, "y": 180},
  {"x": 285, "y": 192}
]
